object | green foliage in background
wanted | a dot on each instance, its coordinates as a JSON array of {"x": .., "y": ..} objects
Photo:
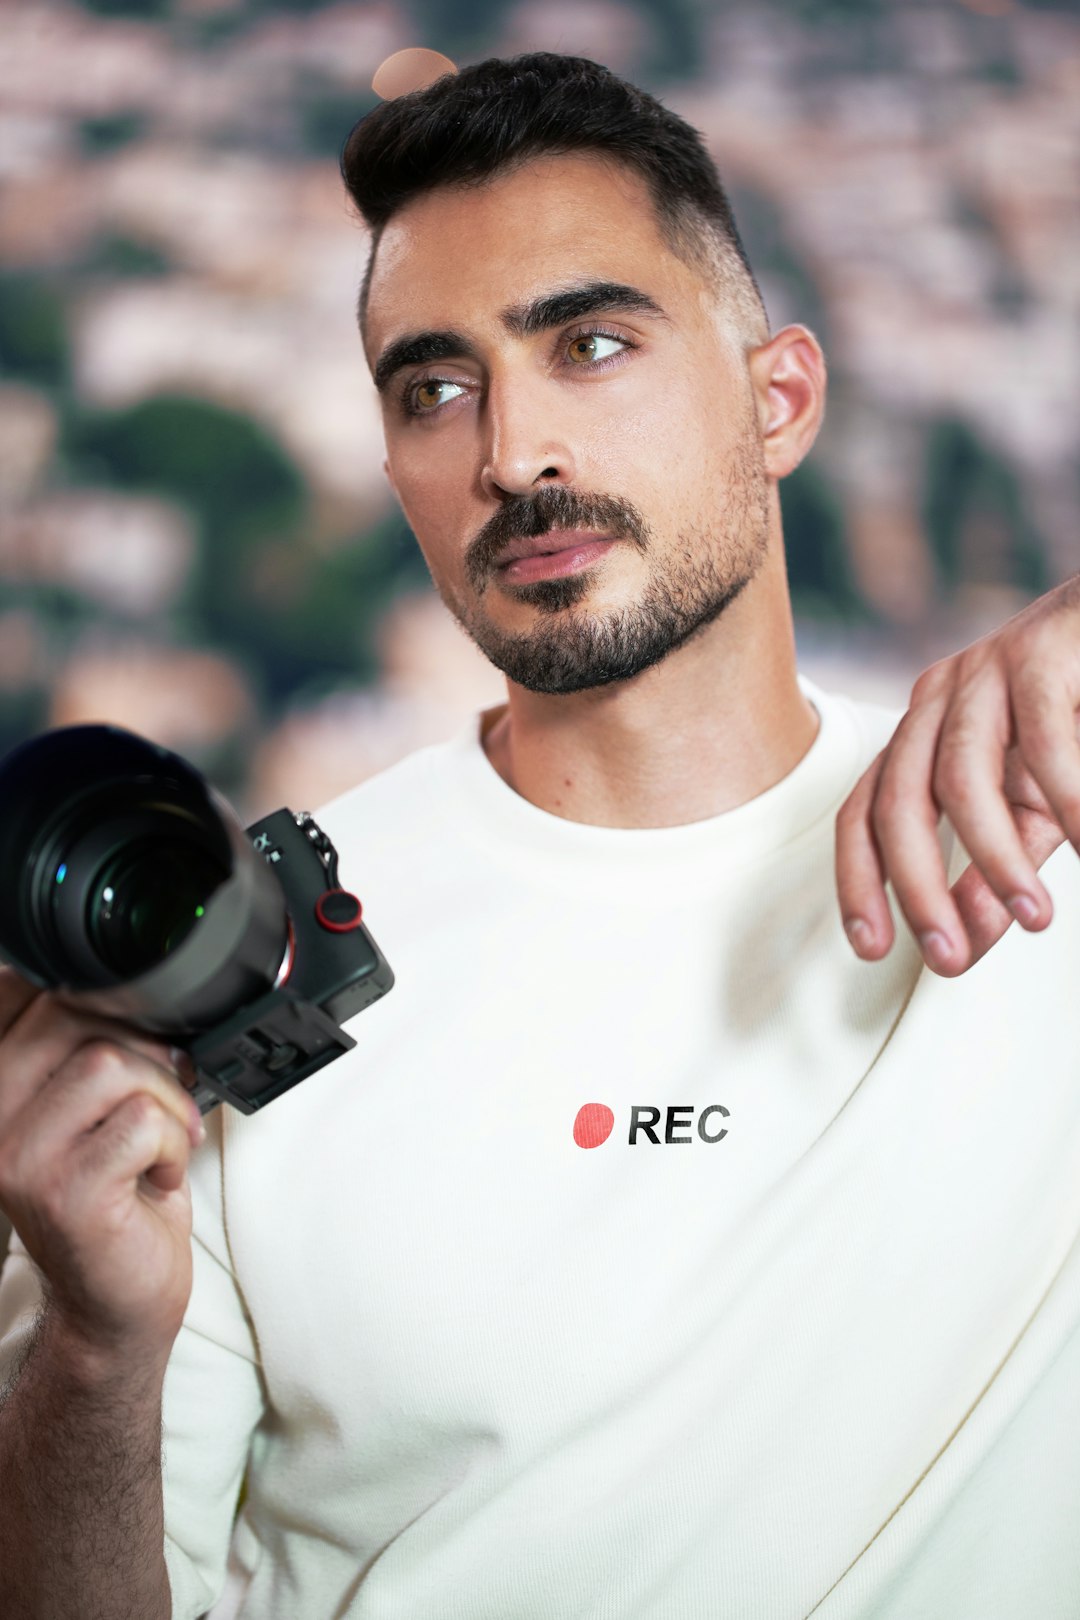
[
  {"x": 243, "y": 490},
  {"x": 116, "y": 256},
  {"x": 111, "y": 131},
  {"x": 143, "y": 9},
  {"x": 34, "y": 343},
  {"x": 22, "y": 714},
  {"x": 330, "y": 606},
  {"x": 815, "y": 545},
  {"x": 217, "y": 461},
  {"x": 327, "y": 116},
  {"x": 975, "y": 515},
  {"x": 300, "y": 615}
]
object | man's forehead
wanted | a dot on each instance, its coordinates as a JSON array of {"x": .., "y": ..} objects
[{"x": 482, "y": 249}]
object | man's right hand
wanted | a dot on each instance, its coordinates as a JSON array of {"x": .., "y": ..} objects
[{"x": 95, "y": 1135}]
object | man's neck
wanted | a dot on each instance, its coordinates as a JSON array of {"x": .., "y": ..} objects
[{"x": 715, "y": 724}]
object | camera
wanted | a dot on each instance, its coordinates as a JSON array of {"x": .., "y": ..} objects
[{"x": 131, "y": 887}]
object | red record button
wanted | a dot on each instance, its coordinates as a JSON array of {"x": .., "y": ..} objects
[{"x": 338, "y": 910}]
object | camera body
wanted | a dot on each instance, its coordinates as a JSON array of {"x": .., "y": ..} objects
[{"x": 332, "y": 969}]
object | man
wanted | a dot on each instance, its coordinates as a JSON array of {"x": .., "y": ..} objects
[{"x": 655, "y": 1253}]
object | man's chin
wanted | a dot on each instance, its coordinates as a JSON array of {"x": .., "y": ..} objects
[
  {"x": 557, "y": 666},
  {"x": 569, "y": 652}
]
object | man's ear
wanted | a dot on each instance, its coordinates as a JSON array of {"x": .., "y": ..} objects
[{"x": 788, "y": 377}]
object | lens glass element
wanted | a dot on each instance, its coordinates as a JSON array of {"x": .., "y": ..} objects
[{"x": 145, "y": 900}]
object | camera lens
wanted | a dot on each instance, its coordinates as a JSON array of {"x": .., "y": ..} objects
[
  {"x": 146, "y": 900},
  {"x": 130, "y": 885}
]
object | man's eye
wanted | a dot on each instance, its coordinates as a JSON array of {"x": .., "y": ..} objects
[
  {"x": 588, "y": 347},
  {"x": 427, "y": 396}
]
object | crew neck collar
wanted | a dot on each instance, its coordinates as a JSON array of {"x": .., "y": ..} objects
[{"x": 789, "y": 810}]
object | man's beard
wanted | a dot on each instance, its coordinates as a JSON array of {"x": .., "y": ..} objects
[{"x": 574, "y": 651}]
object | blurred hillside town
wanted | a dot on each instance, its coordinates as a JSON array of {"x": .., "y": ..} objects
[{"x": 196, "y": 538}]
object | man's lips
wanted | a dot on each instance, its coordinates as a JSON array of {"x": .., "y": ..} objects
[{"x": 547, "y": 556}]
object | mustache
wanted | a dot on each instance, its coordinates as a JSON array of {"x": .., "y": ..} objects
[{"x": 551, "y": 507}]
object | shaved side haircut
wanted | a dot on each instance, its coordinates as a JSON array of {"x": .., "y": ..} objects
[{"x": 493, "y": 117}]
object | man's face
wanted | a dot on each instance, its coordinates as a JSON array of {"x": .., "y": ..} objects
[{"x": 570, "y": 424}]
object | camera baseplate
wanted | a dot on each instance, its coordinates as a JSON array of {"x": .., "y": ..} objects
[{"x": 263, "y": 1050}]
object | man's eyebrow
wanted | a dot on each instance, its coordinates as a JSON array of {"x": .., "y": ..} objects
[
  {"x": 520, "y": 320},
  {"x": 572, "y": 303},
  {"x": 417, "y": 349}
]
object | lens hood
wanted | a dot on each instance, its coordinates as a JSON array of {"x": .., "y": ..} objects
[{"x": 130, "y": 885}]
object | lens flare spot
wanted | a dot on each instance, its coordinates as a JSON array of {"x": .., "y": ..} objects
[
  {"x": 61, "y": 872},
  {"x": 593, "y": 1124},
  {"x": 200, "y": 911}
]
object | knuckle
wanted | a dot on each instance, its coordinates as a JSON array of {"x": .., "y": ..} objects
[
  {"x": 128, "y": 1131},
  {"x": 932, "y": 681},
  {"x": 1034, "y": 701},
  {"x": 97, "y": 1059},
  {"x": 1023, "y": 641},
  {"x": 137, "y": 1113},
  {"x": 1039, "y": 740}
]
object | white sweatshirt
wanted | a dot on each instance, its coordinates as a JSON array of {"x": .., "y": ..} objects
[{"x": 797, "y": 1336}]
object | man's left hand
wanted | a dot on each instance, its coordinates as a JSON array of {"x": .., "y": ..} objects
[{"x": 991, "y": 741}]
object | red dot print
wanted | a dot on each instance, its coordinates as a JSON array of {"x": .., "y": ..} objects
[{"x": 593, "y": 1125}]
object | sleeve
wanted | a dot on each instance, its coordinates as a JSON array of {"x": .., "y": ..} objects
[{"x": 213, "y": 1394}]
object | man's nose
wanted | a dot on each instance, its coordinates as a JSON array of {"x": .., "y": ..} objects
[{"x": 526, "y": 442}]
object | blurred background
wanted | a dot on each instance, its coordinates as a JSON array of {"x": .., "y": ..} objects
[{"x": 196, "y": 539}]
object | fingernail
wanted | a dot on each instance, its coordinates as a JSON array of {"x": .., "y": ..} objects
[
  {"x": 937, "y": 947},
  {"x": 859, "y": 932},
  {"x": 1023, "y": 908}
]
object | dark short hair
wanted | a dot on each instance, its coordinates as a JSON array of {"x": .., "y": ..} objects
[{"x": 467, "y": 127}]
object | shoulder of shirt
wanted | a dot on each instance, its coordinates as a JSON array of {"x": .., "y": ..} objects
[
  {"x": 410, "y": 783},
  {"x": 873, "y": 723}
]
